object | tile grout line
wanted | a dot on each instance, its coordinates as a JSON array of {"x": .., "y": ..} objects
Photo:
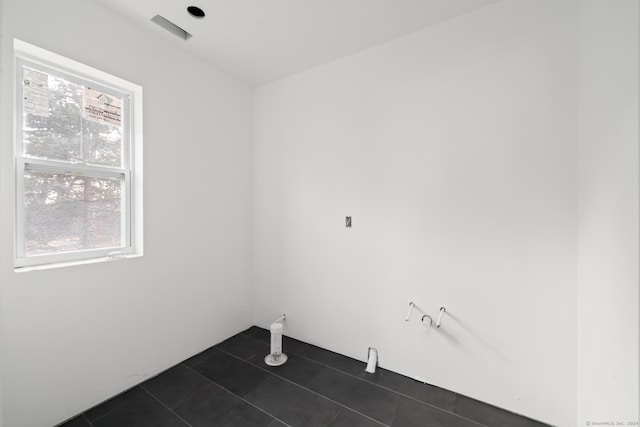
[
  {"x": 366, "y": 380},
  {"x": 114, "y": 409},
  {"x": 370, "y": 382},
  {"x": 162, "y": 403},
  {"x": 183, "y": 399},
  {"x": 213, "y": 383},
  {"x": 84, "y": 415},
  {"x": 394, "y": 391},
  {"x": 337, "y": 416},
  {"x": 305, "y": 388}
]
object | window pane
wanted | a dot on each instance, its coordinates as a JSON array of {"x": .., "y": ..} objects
[
  {"x": 65, "y": 213},
  {"x": 101, "y": 144},
  {"x": 52, "y": 125},
  {"x": 55, "y": 127}
]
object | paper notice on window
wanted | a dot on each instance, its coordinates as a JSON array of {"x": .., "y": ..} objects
[
  {"x": 101, "y": 107},
  {"x": 35, "y": 93}
]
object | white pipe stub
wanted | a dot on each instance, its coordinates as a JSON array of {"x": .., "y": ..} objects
[
  {"x": 276, "y": 357},
  {"x": 372, "y": 361}
]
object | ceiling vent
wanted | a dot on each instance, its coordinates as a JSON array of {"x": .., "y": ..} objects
[{"x": 171, "y": 27}]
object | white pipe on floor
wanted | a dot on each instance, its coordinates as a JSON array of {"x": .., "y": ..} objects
[{"x": 373, "y": 360}]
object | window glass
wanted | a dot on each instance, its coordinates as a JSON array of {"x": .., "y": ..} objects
[
  {"x": 62, "y": 131},
  {"x": 66, "y": 212}
]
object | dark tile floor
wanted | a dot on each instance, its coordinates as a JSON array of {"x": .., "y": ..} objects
[{"x": 230, "y": 385}]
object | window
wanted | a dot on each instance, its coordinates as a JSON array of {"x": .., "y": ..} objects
[{"x": 78, "y": 161}]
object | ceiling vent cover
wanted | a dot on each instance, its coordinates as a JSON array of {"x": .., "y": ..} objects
[{"x": 171, "y": 27}]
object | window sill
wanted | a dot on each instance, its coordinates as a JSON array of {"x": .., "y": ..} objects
[{"x": 74, "y": 263}]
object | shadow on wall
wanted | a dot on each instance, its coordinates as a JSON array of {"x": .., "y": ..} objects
[{"x": 473, "y": 332}]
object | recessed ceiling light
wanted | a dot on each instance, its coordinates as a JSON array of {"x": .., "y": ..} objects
[{"x": 196, "y": 12}]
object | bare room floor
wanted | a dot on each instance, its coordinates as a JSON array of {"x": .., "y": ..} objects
[{"x": 230, "y": 385}]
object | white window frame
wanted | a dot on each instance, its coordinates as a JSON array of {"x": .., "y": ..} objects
[{"x": 130, "y": 171}]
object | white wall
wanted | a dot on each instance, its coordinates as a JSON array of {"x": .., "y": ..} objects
[
  {"x": 454, "y": 149},
  {"x": 608, "y": 297},
  {"x": 72, "y": 337},
  {"x": 2, "y": 189}
]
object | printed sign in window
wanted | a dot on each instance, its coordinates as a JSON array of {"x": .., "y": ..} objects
[
  {"x": 35, "y": 93},
  {"x": 101, "y": 107}
]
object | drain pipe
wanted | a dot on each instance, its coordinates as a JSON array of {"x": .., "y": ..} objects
[
  {"x": 276, "y": 357},
  {"x": 372, "y": 363}
]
